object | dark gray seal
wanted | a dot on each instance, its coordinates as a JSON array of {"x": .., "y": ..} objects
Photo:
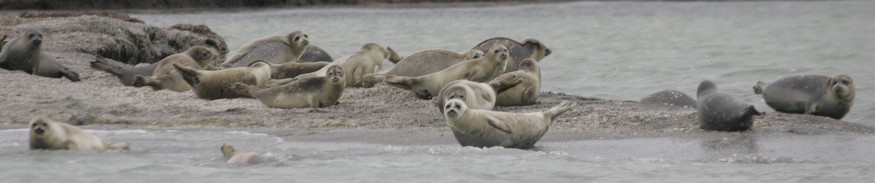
[
  {"x": 529, "y": 48},
  {"x": 719, "y": 111},
  {"x": 123, "y": 72},
  {"x": 670, "y": 97},
  {"x": 810, "y": 94},
  {"x": 25, "y": 53},
  {"x": 315, "y": 54},
  {"x": 272, "y": 49}
]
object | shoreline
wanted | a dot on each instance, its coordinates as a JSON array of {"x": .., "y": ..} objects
[{"x": 241, "y": 5}]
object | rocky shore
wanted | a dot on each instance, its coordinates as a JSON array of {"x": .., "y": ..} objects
[
  {"x": 100, "y": 99},
  {"x": 209, "y": 4}
]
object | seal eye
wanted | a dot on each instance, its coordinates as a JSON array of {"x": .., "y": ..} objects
[
  {"x": 297, "y": 38},
  {"x": 845, "y": 82},
  {"x": 448, "y": 106},
  {"x": 458, "y": 106}
]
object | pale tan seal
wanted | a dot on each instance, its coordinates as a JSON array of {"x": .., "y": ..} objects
[
  {"x": 213, "y": 85},
  {"x": 238, "y": 157},
  {"x": 48, "y": 134},
  {"x": 810, "y": 94},
  {"x": 719, "y": 111},
  {"x": 529, "y": 48},
  {"x": 366, "y": 61},
  {"x": 477, "y": 70},
  {"x": 671, "y": 98},
  {"x": 25, "y": 53},
  {"x": 485, "y": 128},
  {"x": 294, "y": 69},
  {"x": 520, "y": 87},
  {"x": 475, "y": 95},
  {"x": 422, "y": 63},
  {"x": 273, "y": 49},
  {"x": 166, "y": 76},
  {"x": 315, "y": 92}
]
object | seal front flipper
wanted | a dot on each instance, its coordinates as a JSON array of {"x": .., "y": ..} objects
[
  {"x": 498, "y": 124},
  {"x": 506, "y": 83}
]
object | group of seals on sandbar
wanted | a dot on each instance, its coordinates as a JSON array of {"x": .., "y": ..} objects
[
  {"x": 464, "y": 86},
  {"x": 805, "y": 94}
]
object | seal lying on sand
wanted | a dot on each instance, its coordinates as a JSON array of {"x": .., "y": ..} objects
[
  {"x": 722, "y": 112},
  {"x": 477, "y": 70},
  {"x": 315, "y": 92},
  {"x": 314, "y": 54},
  {"x": 273, "y": 49},
  {"x": 475, "y": 95},
  {"x": 239, "y": 158},
  {"x": 48, "y": 134},
  {"x": 520, "y": 87},
  {"x": 366, "y": 61},
  {"x": 166, "y": 76},
  {"x": 529, "y": 48},
  {"x": 670, "y": 97},
  {"x": 422, "y": 63},
  {"x": 124, "y": 74},
  {"x": 213, "y": 85},
  {"x": 485, "y": 128},
  {"x": 25, "y": 53},
  {"x": 810, "y": 94}
]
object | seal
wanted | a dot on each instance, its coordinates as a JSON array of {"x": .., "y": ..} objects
[
  {"x": 315, "y": 54},
  {"x": 213, "y": 85},
  {"x": 671, "y": 98},
  {"x": 25, "y": 53},
  {"x": 519, "y": 87},
  {"x": 47, "y": 134},
  {"x": 529, "y": 48},
  {"x": 273, "y": 49},
  {"x": 294, "y": 69},
  {"x": 485, "y": 128},
  {"x": 719, "y": 111},
  {"x": 315, "y": 92},
  {"x": 166, "y": 75},
  {"x": 125, "y": 75},
  {"x": 475, "y": 95},
  {"x": 477, "y": 70},
  {"x": 239, "y": 158},
  {"x": 810, "y": 94},
  {"x": 422, "y": 63},
  {"x": 366, "y": 61}
]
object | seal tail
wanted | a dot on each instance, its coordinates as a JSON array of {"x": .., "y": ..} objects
[
  {"x": 104, "y": 65},
  {"x": 73, "y": 76},
  {"x": 558, "y": 109},
  {"x": 758, "y": 88},
  {"x": 188, "y": 74},
  {"x": 242, "y": 89}
]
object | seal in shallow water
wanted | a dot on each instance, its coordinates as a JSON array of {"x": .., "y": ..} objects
[
  {"x": 810, "y": 94},
  {"x": 48, "y": 134},
  {"x": 239, "y": 157}
]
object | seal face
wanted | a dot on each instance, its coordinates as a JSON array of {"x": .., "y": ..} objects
[
  {"x": 485, "y": 128},
  {"x": 166, "y": 76},
  {"x": 273, "y": 49},
  {"x": 722, "y": 112},
  {"x": 476, "y": 70},
  {"x": 810, "y": 94},
  {"x": 529, "y": 49},
  {"x": 24, "y": 53},
  {"x": 519, "y": 87},
  {"x": 47, "y": 134},
  {"x": 315, "y": 92},
  {"x": 474, "y": 94},
  {"x": 671, "y": 98}
]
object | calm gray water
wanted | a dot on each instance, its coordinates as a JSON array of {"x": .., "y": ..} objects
[{"x": 611, "y": 50}]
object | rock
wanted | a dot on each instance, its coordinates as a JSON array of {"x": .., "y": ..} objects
[{"x": 113, "y": 38}]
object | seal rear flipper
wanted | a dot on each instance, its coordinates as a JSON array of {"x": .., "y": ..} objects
[
  {"x": 369, "y": 80},
  {"x": 498, "y": 124},
  {"x": 141, "y": 81},
  {"x": 751, "y": 111},
  {"x": 402, "y": 82},
  {"x": 73, "y": 76},
  {"x": 758, "y": 88},
  {"x": 188, "y": 74},
  {"x": 104, "y": 65},
  {"x": 559, "y": 109}
]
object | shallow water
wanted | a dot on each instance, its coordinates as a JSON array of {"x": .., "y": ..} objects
[
  {"x": 432, "y": 156},
  {"x": 612, "y": 50}
]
